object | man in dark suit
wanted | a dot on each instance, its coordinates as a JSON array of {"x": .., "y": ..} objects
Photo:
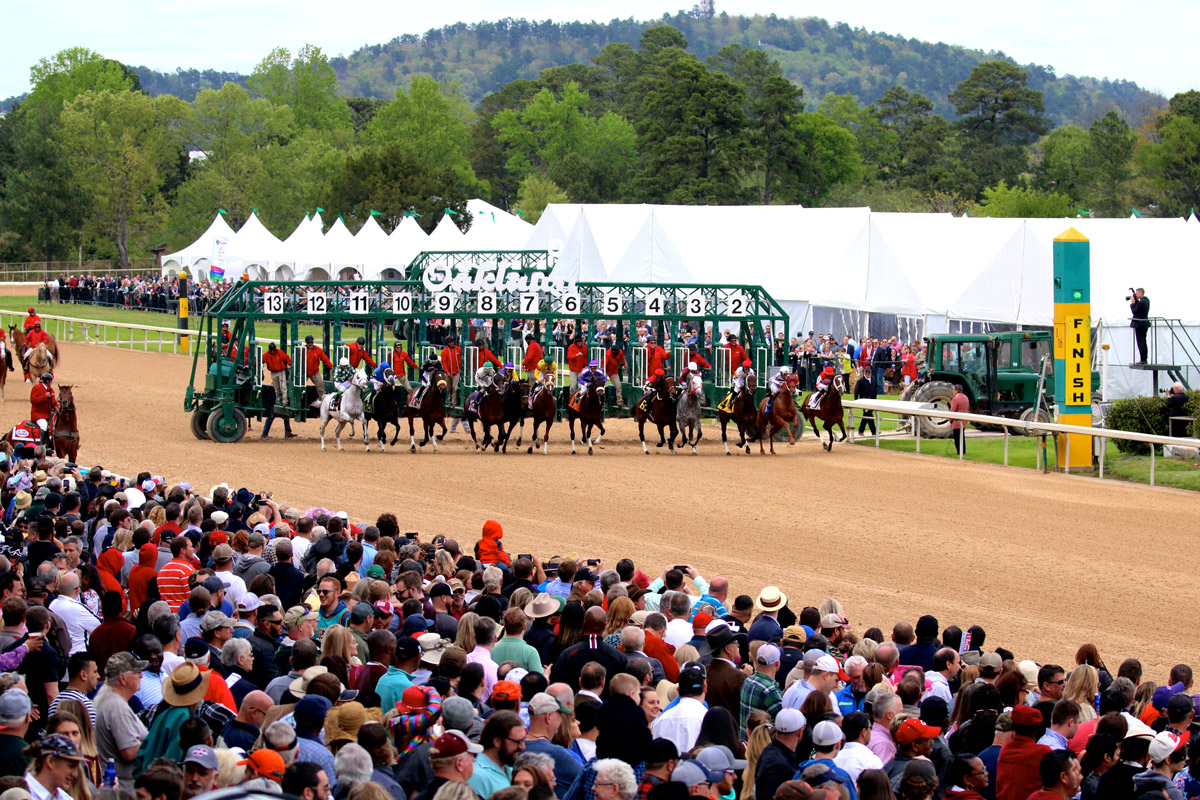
[
  {"x": 1139, "y": 306},
  {"x": 866, "y": 389},
  {"x": 881, "y": 359},
  {"x": 591, "y": 648},
  {"x": 724, "y": 678}
]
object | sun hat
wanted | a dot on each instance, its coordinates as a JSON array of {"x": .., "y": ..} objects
[
  {"x": 770, "y": 599},
  {"x": 186, "y": 685},
  {"x": 299, "y": 686},
  {"x": 414, "y": 699},
  {"x": 541, "y": 606}
]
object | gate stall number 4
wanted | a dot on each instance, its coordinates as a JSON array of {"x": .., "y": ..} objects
[{"x": 656, "y": 305}]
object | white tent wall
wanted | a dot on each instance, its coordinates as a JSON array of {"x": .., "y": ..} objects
[
  {"x": 652, "y": 257},
  {"x": 374, "y": 250},
  {"x": 494, "y": 228},
  {"x": 200, "y": 250},
  {"x": 445, "y": 236},
  {"x": 408, "y": 240},
  {"x": 580, "y": 257}
]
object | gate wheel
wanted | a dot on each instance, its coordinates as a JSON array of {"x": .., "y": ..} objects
[
  {"x": 227, "y": 428},
  {"x": 200, "y": 424}
]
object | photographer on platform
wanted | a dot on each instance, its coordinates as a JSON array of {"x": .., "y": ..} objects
[{"x": 1139, "y": 306}]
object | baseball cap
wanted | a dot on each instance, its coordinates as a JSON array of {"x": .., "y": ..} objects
[
  {"x": 768, "y": 654},
  {"x": 213, "y": 620},
  {"x": 510, "y": 690},
  {"x": 415, "y": 623},
  {"x": 913, "y": 729},
  {"x": 222, "y": 553},
  {"x": 794, "y": 790},
  {"x": 543, "y": 703},
  {"x": 794, "y": 633},
  {"x": 991, "y": 663},
  {"x": 818, "y": 774},
  {"x": 789, "y": 720},
  {"x": 194, "y": 648},
  {"x": 249, "y": 602},
  {"x": 214, "y": 584},
  {"x": 1163, "y": 745},
  {"x": 362, "y": 611},
  {"x": 826, "y": 733},
  {"x": 1004, "y": 722},
  {"x": 458, "y": 713},
  {"x": 313, "y": 706},
  {"x": 452, "y": 743},
  {"x": 1139, "y": 730},
  {"x": 15, "y": 704},
  {"x": 719, "y": 758},
  {"x": 440, "y": 589},
  {"x": 383, "y": 608},
  {"x": 828, "y": 663},
  {"x": 201, "y": 754},
  {"x": 266, "y": 763},
  {"x": 119, "y": 664},
  {"x": 1163, "y": 693},
  {"x": 1026, "y": 715},
  {"x": 407, "y": 647},
  {"x": 58, "y": 745},
  {"x": 297, "y": 614},
  {"x": 220, "y": 517},
  {"x": 834, "y": 621},
  {"x": 692, "y": 677},
  {"x": 692, "y": 772}
]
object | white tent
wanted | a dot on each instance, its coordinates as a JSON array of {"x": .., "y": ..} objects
[
  {"x": 408, "y": 240},
  {"x": 254, "y": 250},
  {"x": 197, "y": 255},
  {"x": 494, "y": 228},
  {"x": 446, "y": 236},
  {"x": 375, "y": 251}
]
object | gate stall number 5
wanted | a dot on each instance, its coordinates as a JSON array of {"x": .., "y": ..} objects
[
  {"x": 612, "y": 304},
  {"x": 273, "y": 303}
]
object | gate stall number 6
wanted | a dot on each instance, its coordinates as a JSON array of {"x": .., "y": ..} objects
[
  {"x": 359, "y": 303},
  {"x": 317, "y": 303},
  {"x": 273, "y": 303},
  {"x": 571, "y": 304}
]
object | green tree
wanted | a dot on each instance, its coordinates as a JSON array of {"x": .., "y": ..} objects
[
  {"x": 1171, "y": 166},
  {"x": 489, "y": 155},
  {"x": 59, "y": 79},
  {"x": 1002, "y": 201},
  {"x": 433, "y": 123},
  {"x": 306, "y": 83},
  {"x": 393, "y": 180},
  {"x": 826, "y": 158},
  {"x": 1111, "y": 143},
  {"x": 903, "y": 139},
  {"x": 1001, "y": 117},
  {"x": 536, "y": 192},
  {"x": 1067, "y": 161},
  {"x": 119, "y": 146}
]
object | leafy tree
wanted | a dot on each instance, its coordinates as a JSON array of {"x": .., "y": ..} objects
[
  {"x": 537, "y": 191},
  {"x": 306, "y": 83},
  {"x": 1001, "y": 116},
  {"x": 1003, "y": 201},
  {"x": 393, "y": 180},
  {"x": 61, "y": 78},
  {"x": 363, "y": 110},
  {"x": 489, "y": 155},
  {"x": 1111, "y": 143},
  {"x": 1067, "y": 161},
  {"x": 1171, "y": 166},
  {"x": 119, "y": 145},
  {"x": 430, "y": 122},
  {"x": 903, "y": 139},
  {"x": 826, "y": 158}
]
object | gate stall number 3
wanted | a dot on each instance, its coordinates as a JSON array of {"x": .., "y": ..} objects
[
  {"x": 273, "y": 303},
  {"x": 695, "y": 306}
]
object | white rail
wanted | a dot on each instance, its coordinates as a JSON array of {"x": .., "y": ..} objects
[
  {"x": 1027, "y": 427},
  {"x": 148, "y": 338}
]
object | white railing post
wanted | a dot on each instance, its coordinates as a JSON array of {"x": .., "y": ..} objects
[
  {"x": 1152, "y": 449},
  {"x": 917, "y": 428}
]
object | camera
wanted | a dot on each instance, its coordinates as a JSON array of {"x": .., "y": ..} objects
[{"x": 1130, "y": 295}]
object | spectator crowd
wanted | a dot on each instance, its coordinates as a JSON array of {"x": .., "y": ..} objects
[{"x": 163, "y": 643}]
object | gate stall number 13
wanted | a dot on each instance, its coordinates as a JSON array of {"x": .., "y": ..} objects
[{"x": 273, "y": 303}]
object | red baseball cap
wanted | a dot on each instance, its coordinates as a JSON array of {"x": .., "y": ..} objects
[
  {"x": 913, "y": 729},
  {"x": 413, "y": 699}
]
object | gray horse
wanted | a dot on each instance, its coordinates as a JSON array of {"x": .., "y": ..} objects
[
  {"x": 687, "y": 415},
  {"x": 351, "y": 410}
]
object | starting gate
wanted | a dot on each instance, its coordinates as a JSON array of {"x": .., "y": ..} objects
[
  {"x": 596, "y": 353},
  {"x": 470, "y": 365},
  {"x": 562, "y": 375},
  {"x": 680, "y": 356},
  {"x": 340, "y": 352},
  {"x": 514, "y": 354},
  {"x": 762, "y": 363},
  {"x": 299, "y": 372},
  {"x": 485, "y": 294}
]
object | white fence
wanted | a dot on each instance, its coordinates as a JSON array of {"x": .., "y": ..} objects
[
  {"x": 1098, "y": 436},
  {"x": 150, "y": 338}
]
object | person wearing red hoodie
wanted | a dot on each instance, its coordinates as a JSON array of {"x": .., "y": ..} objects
[
  {"x": 110, "y": 563},
  {"x": 141, "y": 575},
  {"x": 490, "y": 551},
  {"x": 1018, "y": 770}
]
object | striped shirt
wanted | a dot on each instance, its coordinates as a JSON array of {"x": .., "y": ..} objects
[
  {"x": 172, "y": 582},
  {"x": 80, "y": 697}
]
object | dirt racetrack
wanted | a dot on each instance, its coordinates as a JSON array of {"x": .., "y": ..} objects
[{"x": 1042, "y": 562}]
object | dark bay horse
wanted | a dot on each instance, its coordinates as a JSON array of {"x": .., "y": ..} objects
[
  {"x": 65, "y": 436},
  {"x": 590, "y": 415},
  {"x": 830, "y": 413},
  {"x": 490, "y": 412},
  {"x": 783, "y": 416},
  {"x": 545, "y": 408},
  {"x": 513, "y": 398},
  {"x": 744, "y": 415},
  {"x": 660, "y": 409},
  {"x": 432, "y": 412},
  {"x": 384, "y": 408}
]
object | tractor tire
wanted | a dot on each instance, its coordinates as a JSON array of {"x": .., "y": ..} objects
[
  {"x": 940, "y": 394},
  {"x": 1028, "y": 416},
  {"x": 225, "y": 432},
  {"x": 903, "y": 420},
  {"x": 200, "y": 424}
]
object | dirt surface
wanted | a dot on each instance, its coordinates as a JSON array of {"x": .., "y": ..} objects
[{"x": 1042, "y": 562}]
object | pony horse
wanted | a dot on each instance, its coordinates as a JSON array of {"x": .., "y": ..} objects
[
  {"x": 16, "y": 336},
  {"x": 783, "y": 416},
  {"x": 351, "y": 409},
  {"x": 590, "y": 415},
  {"x": 65, "y": 434},
  {"x": 431, "y": 410},
  {"x": 659, "y": 410},
  {"x": 744, "y": 415},
  {"x": 830, "y": 413}
]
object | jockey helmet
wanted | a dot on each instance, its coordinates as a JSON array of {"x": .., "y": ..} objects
[
  {"x": 225, "y": 324},
  {"x": 479, "y": 343},
  {"x": 785, "y": 370},
  {"x": 383, "y": 365},
  {"x": 658, "y": 373},
  {"x": 593, "y": 363},
  {"x": 362, "y": 341},
  {"x": 31, "y": 311},
  {"x": 828, "y": 371},
  {"x": 509, "y": 365},
  {"x": 746, "y": 363},
  {"x": 309, "y": 339},
  {"x": 345, "y": 362},
  {"x": 47, "y": 377},
  {"x": 692, "y": 366}
]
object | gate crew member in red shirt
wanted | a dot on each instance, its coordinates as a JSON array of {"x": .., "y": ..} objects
[
  {"x": 656, "y": 358},
  {"x": 577, "y": 358},
  {"x": 486, "y": 356},
  {"x": 359, "y": 354},
  {"x": 314, "y": 357},
  {"x": 737, "y": 354},
  {"x": 278, "y": 363},
  {"x": 401, "y": 361},
  {"x": 614, "y": 362},
  {"x": 695, "y": 356},
  {"x": 43, "y": 405},
  {"x": 533, "y": 354},
  {"x": 452, "y": 364}
]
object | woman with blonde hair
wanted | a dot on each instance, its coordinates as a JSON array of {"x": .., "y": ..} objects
[
  {"x": 1142, "y": 697},
  {"x": 619, "y": 613},
  {"x": 87, "y": 738},
  {"x": 465, "y": 638},
  {"x": 368, "y": 790},
  {"x": 520, "y": 598},
  {"x": 339, "y": 641},
  {"x": 157, "y": 515},
  {"x": 123, "y": 540},
  {"x": 444, "y": 563},
  {"x": 686, "y": 653},
  {"x": 1082, "y": 686},
  {"x": 866, "y": 648},
  {"x": 761, "y": 735},
  {"x": 832, "y": 606}
]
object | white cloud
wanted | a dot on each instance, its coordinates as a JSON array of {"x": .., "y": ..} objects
[{"x": 1102, "y": 39}]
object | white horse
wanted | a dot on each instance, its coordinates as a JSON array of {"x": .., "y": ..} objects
[{"x": 351, "y": 409}]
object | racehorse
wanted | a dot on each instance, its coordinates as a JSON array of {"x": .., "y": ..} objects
[
  {"x": 687, "y": 415},
  {"x": 514, "y": 412},
  {"x": 744, "y": 415},
  {"x": 830, "y": 413},
  {"x": 65, "y": 436},
  {"x": 17, "y": 336},
  {"x": 383, "y": 408},
  {"x": 432, "y": 411},
  {"x": 545, "y": 408},
  {"x": 351, "y": 409},
  {"x": 590, "y": 415},
  {"x": 5, "y": 366},
  {"x": 661, "y": 412},
  {"x": 783, "y": 416},
  {"x": 489, "y": 412}
]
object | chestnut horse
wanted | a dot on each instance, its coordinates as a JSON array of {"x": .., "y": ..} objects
[
  {"x": 830, "y": 412},
  {"x": 659, "y": 408},
  {"x": 65, "y": 437},
  {"x": 783, "y": 416},
  {"x": 17, "y": 337}
]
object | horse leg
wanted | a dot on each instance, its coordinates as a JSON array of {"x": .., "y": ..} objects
[
  {"x": 324, "y": 425},
  {"x": 571, "y": 425},
  {"x": 724, "y": 433},
  {"x": 674, "y": 435},
  {"x": 790, "y": 428},
  {"x": 534, "y": 434},
  {"x": 435, "y": 439},
  {"x": 599, "y": 424},
  {"x": 337, "y": 434},
  {"x": 841, "y": 423},
  {"x": 412, "y": 434},
  {"x": 546, "y": 437},
  {"x": 828, "y": 429},
  {"x": 366, "y": 434},
  {"x": 642, "y": 435},
  {"x": 471, "y": 430}
]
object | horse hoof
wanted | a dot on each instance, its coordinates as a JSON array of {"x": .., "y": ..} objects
[
  {"x": 322, "y": 448},
  {"x": 694, "y": 451},
  {"x": 530, "y": 450},
  {"x": 660, "y": 444},
  {"x": 747, "y": 449},
  {"x": 589, "y": 451},
  {"x": 412, "y": 449}
]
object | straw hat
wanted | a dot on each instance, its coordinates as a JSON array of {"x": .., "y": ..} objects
[
  {"x": 186, "y": 686},
  {"x": 770, "y": 599},
  {"x": 343, "y": 721},
  {"x": 299, "y": 687},
  {"x": 667, "y": 691},
  {"x": 541, "y": 606}
]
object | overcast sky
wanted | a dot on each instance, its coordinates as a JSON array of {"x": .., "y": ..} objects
[{"x": 1151, "y": 43}]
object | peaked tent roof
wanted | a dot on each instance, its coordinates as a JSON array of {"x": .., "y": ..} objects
[
  {"x": 652, "y": 258},
  {"x": 494, "y": 228},
  {"x": 446, "y": 236},
  {"x": 254, "y": 244},
  {"x": 408, "y": 240},
  {"x": 202, "y": 248},
  {"x": 374, "y": 249},
  {"x": 337, "y": 247},
  {"x": 580, "y": 258}
]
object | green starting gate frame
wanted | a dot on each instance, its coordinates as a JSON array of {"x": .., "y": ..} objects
[{"x": 488, "y": 295}]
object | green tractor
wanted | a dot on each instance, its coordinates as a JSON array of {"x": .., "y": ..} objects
[{"x": 1000, "y": 373}]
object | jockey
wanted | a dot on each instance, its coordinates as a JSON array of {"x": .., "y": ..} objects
[
  {"x": 656, "y": 379},
  {"x": 486, "y": 375},
  {"x": 543, "y": 377},
  {"x": 824, "y": 380},
  {"x": 341, "y": 378},
  {"x": 742, "y": 374},
  {"x": 380, "y": 376},
  {"x": 690, "y": 380},
  {"x": 428, "y": 367},
  {"x": 31, "y": 320},
  {"x": 775, "y": 383},
  {"x": 506, "y": 374},
  {"x": 35, "y": 337},
  {"x": 359, "y": 354},
  {"x": 43, "y": 405},
  {"x": 592, "y": 374},
  {"x": 7, "y": 351}
]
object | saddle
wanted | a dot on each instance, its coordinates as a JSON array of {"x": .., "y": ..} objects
[
  {"x": 336, "y": 403},
  {"x": 726, "y": 403},
  {"x": 473, "y": 401}
]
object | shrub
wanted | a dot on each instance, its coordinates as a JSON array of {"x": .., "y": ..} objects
[{"x": 1147, "y": 415}]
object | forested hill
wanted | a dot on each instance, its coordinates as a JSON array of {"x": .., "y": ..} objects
[{"x": 819, "y": 57}]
